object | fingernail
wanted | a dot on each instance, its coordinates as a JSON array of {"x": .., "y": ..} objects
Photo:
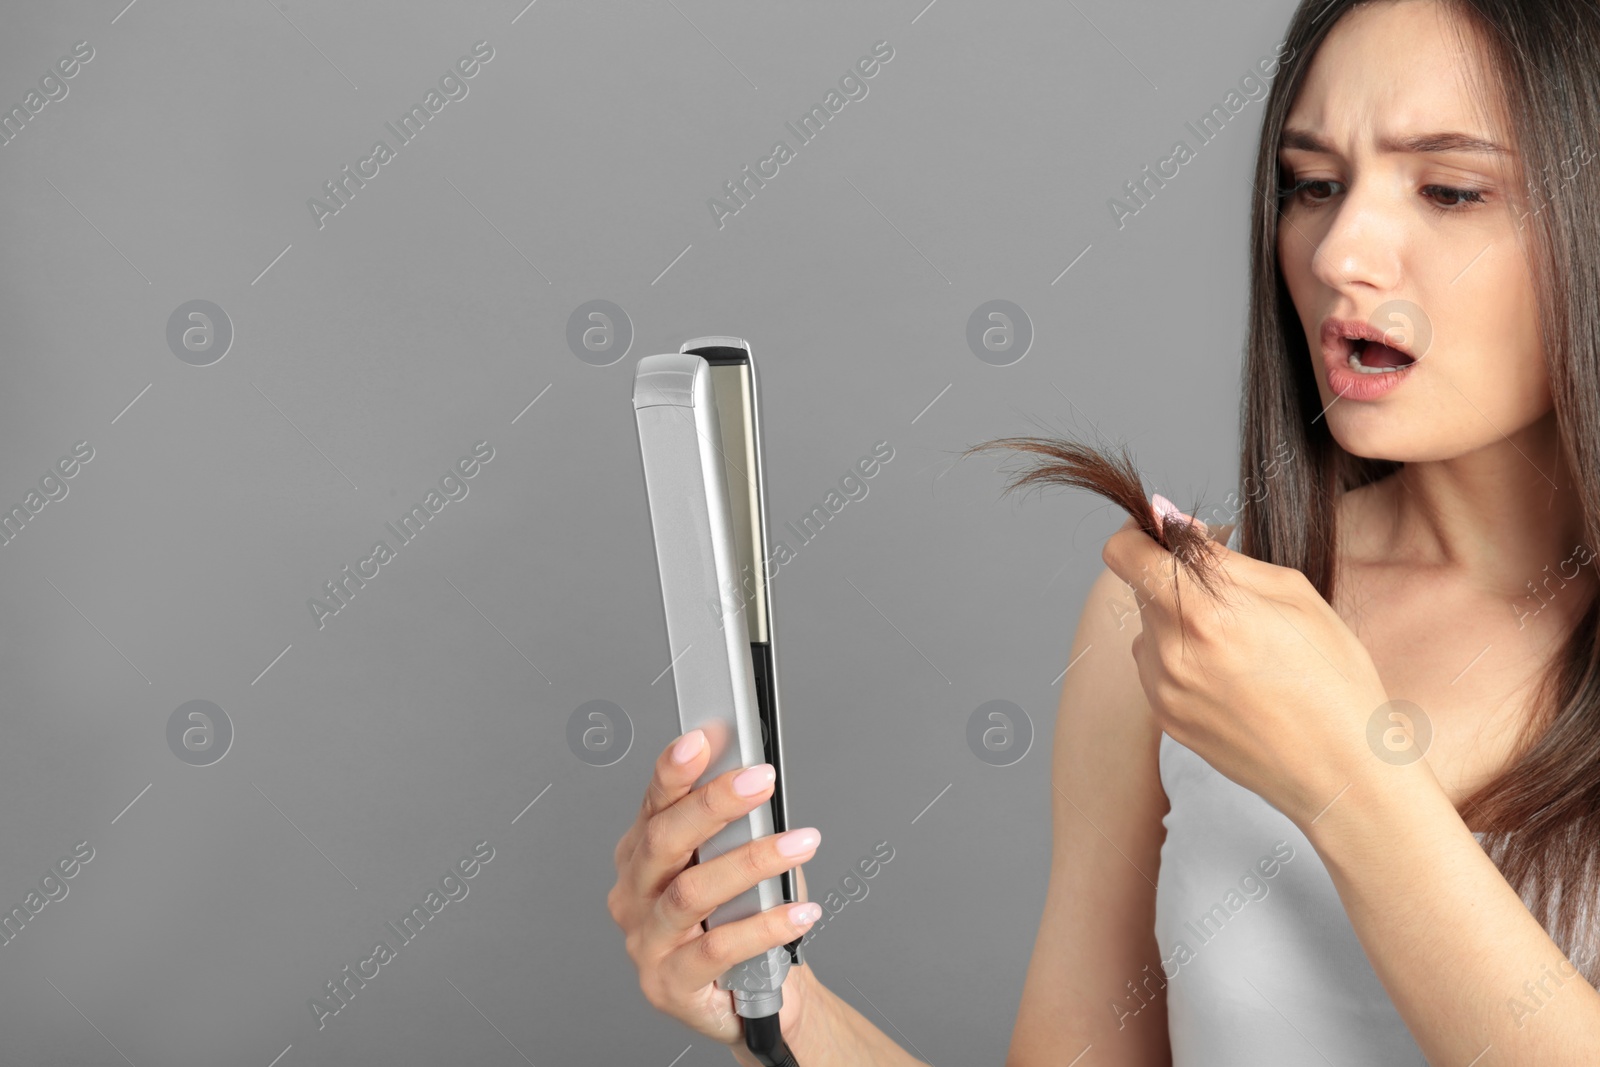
[
  {"x": 1165, "y": 507},
  {"x": 688, "y": 746},
  {"x": 798, "y": 842},
  {"x": 753, "y": 780},
  {"x": 805, "y": 914}
]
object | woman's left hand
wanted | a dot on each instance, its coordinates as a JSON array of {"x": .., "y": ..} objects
[{"x": 1267, "y": 684}]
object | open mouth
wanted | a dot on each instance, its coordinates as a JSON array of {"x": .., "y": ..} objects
[{"x": 1372, "y": 357}]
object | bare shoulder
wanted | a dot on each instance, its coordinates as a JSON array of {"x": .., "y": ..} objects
[
  {"x": 1097, "y": 932},
  {"x": 1104, "y": 706}
]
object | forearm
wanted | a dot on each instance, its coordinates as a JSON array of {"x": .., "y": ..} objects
[
  {"x": 834, "y": 1034},
  {"x": 1467, "y": 966}
]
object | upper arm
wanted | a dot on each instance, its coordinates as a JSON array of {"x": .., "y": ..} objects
[{"x": 1097, "y": 933}]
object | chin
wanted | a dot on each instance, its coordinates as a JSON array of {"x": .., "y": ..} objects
[
  {"x": 1401, "y": 444},
  {"x": 1381, "y": 437}
]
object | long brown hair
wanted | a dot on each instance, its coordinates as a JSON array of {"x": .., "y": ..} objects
[{"x": 1541, "y": 816}]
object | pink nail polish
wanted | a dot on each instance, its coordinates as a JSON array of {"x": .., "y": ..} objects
[
  {"x": 804, "y": 914},
  {"x": 752, "y": 780},
  {"x": 688, "y": 745},
  {"x": 1163, "y": 506},
  {"x": 798, "y": 842}
]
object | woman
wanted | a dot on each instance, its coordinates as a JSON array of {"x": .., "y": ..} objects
[{"x": 1412, "y": 576}]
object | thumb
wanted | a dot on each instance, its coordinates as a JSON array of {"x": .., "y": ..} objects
[{"x": 1164, "y": 507}]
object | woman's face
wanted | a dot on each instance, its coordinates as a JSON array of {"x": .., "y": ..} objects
[{"x": 1425, "y": 244}]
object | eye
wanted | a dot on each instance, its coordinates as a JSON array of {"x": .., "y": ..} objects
[
  {"x": 1457, "y": 199},
  {"x": 1292, "y": 191},
  {"x": 1444, "y": 199}
]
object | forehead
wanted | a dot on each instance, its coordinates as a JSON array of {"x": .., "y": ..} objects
[{"x": 1396, "y": 67}]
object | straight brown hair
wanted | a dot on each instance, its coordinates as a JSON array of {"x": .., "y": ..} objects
[{"x": 1540, "y": 816}]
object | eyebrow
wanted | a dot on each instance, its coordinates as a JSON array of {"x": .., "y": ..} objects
[{"x": 1444, "y": 141}]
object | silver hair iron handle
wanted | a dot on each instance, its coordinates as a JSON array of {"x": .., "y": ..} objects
[{"x": 699, "y": 438}]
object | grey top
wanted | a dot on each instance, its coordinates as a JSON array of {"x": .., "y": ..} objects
[{"x": 1261, "y": 964}]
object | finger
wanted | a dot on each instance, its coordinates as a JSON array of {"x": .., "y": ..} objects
[
  {"x": 666, "y": 845},
  {"x": 700, "y": 889},
  {"x": 1159, "y": 581},
  {"x": 677, "y": 768},
  {"x": 1130, "y": 552},
  {"x": 707, "y": 957},
  {"x": 1161, "y": 507}
]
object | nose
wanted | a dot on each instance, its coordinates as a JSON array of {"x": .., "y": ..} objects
[{"x": 1359, "y": 239}]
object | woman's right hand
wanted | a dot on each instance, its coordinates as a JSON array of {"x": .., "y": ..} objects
[{"x": 661, "y": 896}]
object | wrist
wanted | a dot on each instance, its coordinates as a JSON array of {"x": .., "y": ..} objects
[
  {"x": 802, "y": 1018},
  {"x": 828, "y": 1032},
  {"x": 1364, "y": 821},
  {"x": 807, "y": 1031}
]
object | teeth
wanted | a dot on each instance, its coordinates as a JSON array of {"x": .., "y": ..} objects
[{"x": 1356, "y": 365}]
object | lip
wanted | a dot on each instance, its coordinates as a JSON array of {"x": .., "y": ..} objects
[{"x": 1353, "y": 385}]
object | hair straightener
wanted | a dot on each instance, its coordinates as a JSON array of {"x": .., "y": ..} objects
[{"x": 699, "y": 419}]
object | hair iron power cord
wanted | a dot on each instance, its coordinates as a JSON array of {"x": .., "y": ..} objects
[{"x": 765, "y": 1041}]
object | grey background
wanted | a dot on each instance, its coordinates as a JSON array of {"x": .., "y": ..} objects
[{"x": 370, "y": 755}]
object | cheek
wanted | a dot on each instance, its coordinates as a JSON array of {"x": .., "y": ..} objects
[
  {"x": 1294, "y": 260},
  {"x": 1494, "y": 327}
]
